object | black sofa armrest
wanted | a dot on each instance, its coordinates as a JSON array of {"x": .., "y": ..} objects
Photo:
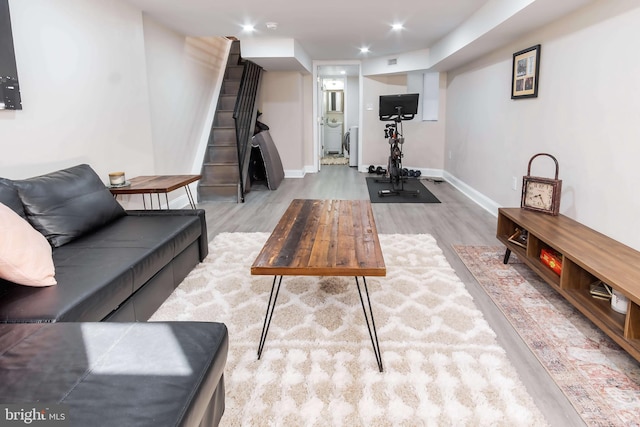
[{"x": 203, "y": 242}]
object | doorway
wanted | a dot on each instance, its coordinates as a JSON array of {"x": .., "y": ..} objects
[
  {"x": 334, "y": 151},
  {"x": 337, "y": 114}
]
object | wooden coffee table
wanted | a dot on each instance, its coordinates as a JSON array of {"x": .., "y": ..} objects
[
  {"x": 323, "y": 238},
  {"x": 157, "y": 184}
]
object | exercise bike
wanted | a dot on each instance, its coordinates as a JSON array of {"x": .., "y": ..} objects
[{"x": 395, "y": 171}]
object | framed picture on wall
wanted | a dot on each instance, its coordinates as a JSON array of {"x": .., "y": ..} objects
[
  {"x": 525, "y": 73},
  {"x": 9, "y": 85}
]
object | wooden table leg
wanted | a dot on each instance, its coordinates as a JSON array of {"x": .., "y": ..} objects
[{"x": 507, "y": 254}]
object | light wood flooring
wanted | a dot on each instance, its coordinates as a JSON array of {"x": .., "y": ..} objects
[{"x": 457, "y": 220}]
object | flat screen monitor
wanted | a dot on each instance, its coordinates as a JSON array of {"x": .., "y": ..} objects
[{"x": 398, "y": 107}]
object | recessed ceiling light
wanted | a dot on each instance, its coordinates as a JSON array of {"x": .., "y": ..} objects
[
  {"x": 364, "y": 49},
  {"x": 248, "y": 28},
  {"x": 397, "y": 27},
  {"x": 343, "y": 72},
  {"x": 272, "y": 25}
]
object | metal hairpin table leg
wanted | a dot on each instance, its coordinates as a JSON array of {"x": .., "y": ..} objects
[
  {"x": 374, "y": 343},
  {"x": 269, "y": 315},
  {"x": 192, "y": 201}
]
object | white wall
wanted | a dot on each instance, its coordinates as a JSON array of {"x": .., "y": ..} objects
[
  {"x": 103, "y": 85},
  {"x": 352, "y": 107},
  {"x": 375, "y": 148},
  {"x": 586, "y": 115},
  {"x": 307, "y": 120},
  {"x": 286, "y": 109},
  {"x": 83, "y": 84},
  {"x": 183, "y": 75},
  {"x": 424, "y": 141}
]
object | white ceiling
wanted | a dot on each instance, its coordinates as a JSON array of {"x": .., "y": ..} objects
[
  {"x": 336, "y": 29},
  {"x": 335, "y": 70}
]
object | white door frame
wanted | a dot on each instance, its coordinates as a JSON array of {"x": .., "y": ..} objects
[{"x": 317, "y": 110}]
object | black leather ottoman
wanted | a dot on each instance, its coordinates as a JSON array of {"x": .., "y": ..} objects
[{"x": 118, "y": 374}]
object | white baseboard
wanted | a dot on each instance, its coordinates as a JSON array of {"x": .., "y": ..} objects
[
  {"x": 424, "y": 172},
  {"x": 294, "y": 173},
  {"x": 428, "y": 172},
  {"x": 181, "y": 202},
  {"x": 479, "y": 198}
]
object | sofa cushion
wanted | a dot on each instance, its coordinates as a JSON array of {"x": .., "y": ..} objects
[
  {"x": 68, "y": 203},
  {"x": 152, "y": 241},
  {"x": 97, "y": 272},
  {"x": 25, "y": 255},
  {"x": 118, "y": 374},
  {"x": 9, "y": 196}
]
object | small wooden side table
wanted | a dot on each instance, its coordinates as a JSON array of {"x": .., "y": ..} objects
[{"x": 157, "y": 184}]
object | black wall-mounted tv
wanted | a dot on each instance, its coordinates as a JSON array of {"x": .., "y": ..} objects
[
  {"x": 398, "y": 107},
  {"x": 9, "y": 86}
]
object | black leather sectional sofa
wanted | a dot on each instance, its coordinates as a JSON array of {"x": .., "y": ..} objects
[
  {"x": 115, "y": 374},
  {"x": 110, "y": 265}
]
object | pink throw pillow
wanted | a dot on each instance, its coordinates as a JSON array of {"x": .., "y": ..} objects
[{"x": 25, "y": 254}]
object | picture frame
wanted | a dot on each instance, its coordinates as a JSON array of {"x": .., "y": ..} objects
[
  {"x": 9, "y": 86},
  {"x": 525, "y": 73}
]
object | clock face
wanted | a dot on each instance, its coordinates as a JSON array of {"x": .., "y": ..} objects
[{"x": 538, "y": 195}]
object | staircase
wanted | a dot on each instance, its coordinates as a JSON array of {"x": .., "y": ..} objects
[{"x": 221, "y": 179}]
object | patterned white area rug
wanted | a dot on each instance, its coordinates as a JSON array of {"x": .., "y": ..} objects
[{"x": 442, "y": 364}]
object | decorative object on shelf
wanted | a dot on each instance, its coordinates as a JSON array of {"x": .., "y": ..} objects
[
  {"x": 600, "y": 290},
  {"x": 525, "y": 73},
  {"x": 116, "y": 178},
  {"x": 619, "y": 302},
  {"x": 541, "y": 194},
  {"x": 551, "y": 259},
  {"x": 519, "y": 237}
]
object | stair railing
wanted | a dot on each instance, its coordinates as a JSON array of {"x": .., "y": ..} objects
[{"x": 245, "y": 115}]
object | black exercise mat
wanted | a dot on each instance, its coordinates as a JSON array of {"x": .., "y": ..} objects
[{"x": 425, "y": 196}]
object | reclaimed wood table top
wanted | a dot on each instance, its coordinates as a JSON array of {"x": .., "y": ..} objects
[
  {"x": 155, "y": 184},
  {"x": 323, "y": 238}
]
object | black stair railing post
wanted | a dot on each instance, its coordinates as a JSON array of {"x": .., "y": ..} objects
[{"x": 245, "y": 116}]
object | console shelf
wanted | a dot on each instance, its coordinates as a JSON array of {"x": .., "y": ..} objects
[{"x": 586, "y": 256}]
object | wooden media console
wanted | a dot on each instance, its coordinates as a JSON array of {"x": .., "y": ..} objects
[{"x": 586, "y": 257}]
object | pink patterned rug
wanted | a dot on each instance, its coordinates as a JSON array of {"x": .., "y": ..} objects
[{"x": 598, "y": 377}]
